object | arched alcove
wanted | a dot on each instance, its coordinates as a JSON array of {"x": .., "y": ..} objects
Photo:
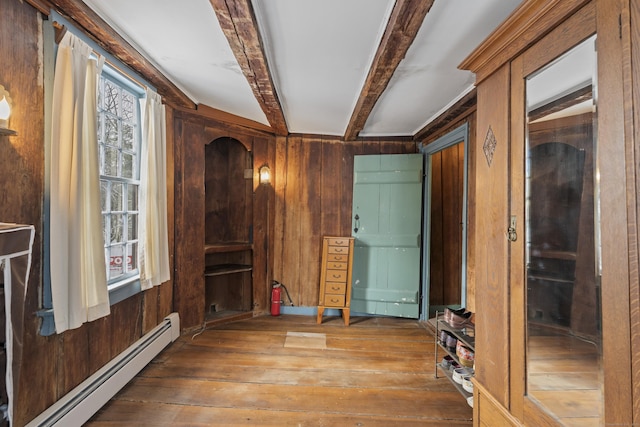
[{"x": 228, "y": 184}]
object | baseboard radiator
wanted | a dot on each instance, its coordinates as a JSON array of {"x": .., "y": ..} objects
[{"x": 81, "y": 403}]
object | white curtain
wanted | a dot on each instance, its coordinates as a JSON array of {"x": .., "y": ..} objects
[
  {"x": 78, "y": 269},
  {"x": 153, "y": 246}
]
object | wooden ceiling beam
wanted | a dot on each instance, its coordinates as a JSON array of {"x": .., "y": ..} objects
[
  {"x": 240, "y": 26},
  {"x": 107, "y": 38},
  {"x": 405, "y": 21}
]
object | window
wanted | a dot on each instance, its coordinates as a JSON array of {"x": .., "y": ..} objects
[
  {"x": 119, "y": 134},
  {"x": 119, "y": 143}
]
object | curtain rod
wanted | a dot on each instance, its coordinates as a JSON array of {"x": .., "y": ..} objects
[{"x": 60, "y": 30}]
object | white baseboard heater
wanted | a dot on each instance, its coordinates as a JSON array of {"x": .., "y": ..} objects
[{"x": 81, "y": 403}]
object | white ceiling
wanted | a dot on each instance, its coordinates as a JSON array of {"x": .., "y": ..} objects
[{"x": 319, "y": 53}]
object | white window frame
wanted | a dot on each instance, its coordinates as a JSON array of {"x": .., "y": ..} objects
[{"x": 129, "y": 243}]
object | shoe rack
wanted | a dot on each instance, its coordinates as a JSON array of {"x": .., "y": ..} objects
[{"x": 446, "y": 360}]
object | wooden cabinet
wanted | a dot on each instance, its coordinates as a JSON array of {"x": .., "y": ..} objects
[
  {"x": 511, "y": 314},
  {"x": 335, "y": 276}
]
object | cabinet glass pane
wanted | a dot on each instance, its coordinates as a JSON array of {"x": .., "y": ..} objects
[{"x": 564, "y": 339}]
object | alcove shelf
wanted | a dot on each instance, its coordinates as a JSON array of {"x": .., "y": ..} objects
[
  {"x": 215, "y": 248},
  {"x": 221, "y": 269}
]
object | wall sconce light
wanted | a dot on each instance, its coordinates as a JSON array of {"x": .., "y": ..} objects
[
  {"x": 265, "y": 174},
  {"x": 5, "y": 112}
]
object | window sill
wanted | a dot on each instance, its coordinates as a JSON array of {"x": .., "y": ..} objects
[
  {"x": 118, "y": 291},
  {"x": 123, "y": 289}
]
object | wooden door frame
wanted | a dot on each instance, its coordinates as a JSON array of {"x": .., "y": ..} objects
[{"x": 457, "y": 135}]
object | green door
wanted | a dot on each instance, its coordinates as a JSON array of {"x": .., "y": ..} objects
[{"x": 386, "y": 222}]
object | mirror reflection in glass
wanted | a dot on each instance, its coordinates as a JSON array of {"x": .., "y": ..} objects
[{"x": 562, "y": 229}]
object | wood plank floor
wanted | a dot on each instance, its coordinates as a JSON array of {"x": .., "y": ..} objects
[
  {"x": 289, "y": 371},
  {"x": 565, "y": 376}
]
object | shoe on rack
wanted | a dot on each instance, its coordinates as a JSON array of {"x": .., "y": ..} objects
[
  {"x": 448, "y": 312},
  {"x": 459, "y": 321}
]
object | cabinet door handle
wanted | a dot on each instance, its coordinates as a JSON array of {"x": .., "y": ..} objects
[
  {"x": 356, "y": 223},
  {"x": 512, "y": 235}
]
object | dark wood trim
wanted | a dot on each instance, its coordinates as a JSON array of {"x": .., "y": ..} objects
[
  {"x": 527, "y": 24},
  {"x": 223, "y": 116},
  {"x": 107, "y": 38},
  {"x": 43, "y": 6},
  {"x": 405, "y": 21},
  {"x": 211, "y": 118},
  {"x": 463, "y": 107},
  {"x": 337, "y": 139},
  {"x": 238, "y": 22}
]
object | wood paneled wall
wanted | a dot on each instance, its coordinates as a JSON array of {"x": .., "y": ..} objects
[
  {"x": 52, "y": 366},
  {"x": 447, "y": 197},
  {"x": 193, "y": 131},
  {"x": 313, "y": 192},
  {"x": 464, "y": 112}
]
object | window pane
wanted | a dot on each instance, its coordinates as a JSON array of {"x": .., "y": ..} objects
[
  {"x": 132, "y": 257},
  {"x": 110, "y": 161},
  {"x": 117, "y": 189},
  {"x": 128, "y": 106},
  {"x": 128, "y": 137},
  {"x": 111, "y": 128},
  {"x": 100, "y": 127},
  {"x": 132, "y": 195},
  {"x": 117, "y": 228},
  {"x": 116, "y": 264},
  {"x": 111, "y": 97},
  {"x": 132, "y": 225},
  {"x": 104, "y": 190},
  {"x": 127, "y": 165},
  {"x": 105, "y": 227}
]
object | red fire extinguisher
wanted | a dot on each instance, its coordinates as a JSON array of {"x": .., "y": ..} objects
[{"x": 276, "y": 298}]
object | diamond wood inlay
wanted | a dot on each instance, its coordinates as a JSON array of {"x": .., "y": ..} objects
[{"x": 489, "y": 146}]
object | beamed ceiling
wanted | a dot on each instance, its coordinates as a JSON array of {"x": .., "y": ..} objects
[{"x": 345, "y": 68}]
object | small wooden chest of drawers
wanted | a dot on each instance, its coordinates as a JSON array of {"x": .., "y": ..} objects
[{"x": 335, "y": 275}]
